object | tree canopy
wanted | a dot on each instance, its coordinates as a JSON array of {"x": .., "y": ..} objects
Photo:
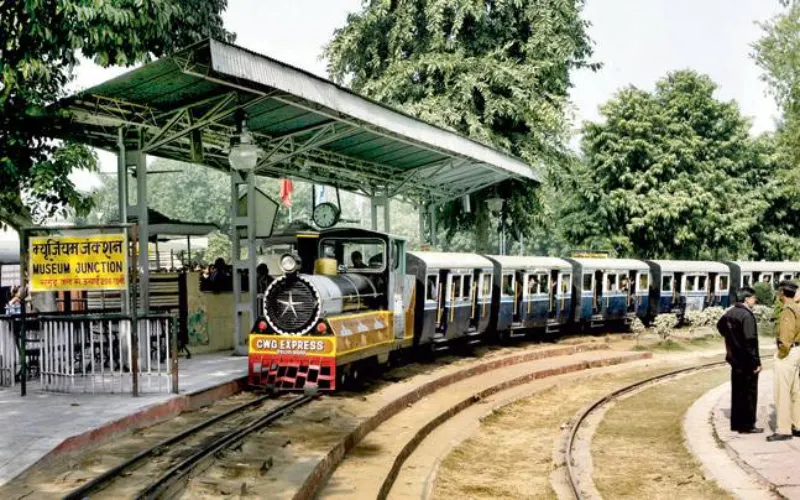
[
  {"x": 498, "y": 72},
  {"x": 40, "y": 43},
  {"x": 671, "y": 173}
]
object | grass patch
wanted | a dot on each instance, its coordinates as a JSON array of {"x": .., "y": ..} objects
[
  {"x": 639, "y": 451},
  {"x": 766, "y": 330},
  {"x": 511, "y": 456},
  {"x": 706, "y": 340}
]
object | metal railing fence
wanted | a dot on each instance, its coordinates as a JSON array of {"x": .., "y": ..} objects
[{"x": 92, "y": 353}]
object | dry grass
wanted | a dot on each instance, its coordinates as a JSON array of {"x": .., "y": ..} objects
[
  {"x": 512, "y": 454},
  {"x": 639, "y": 452}
]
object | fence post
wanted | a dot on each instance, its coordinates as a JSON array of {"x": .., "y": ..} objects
[
  {"x": 23, "y": 354},
  {"x": 134, "y": 354},
  {"x": 174, "y": 355}
]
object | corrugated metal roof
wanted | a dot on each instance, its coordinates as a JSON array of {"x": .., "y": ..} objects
[
  {"x": 442, "y": 260},
  {"x": 768, "y": 267},
  {"x": 612, "y": 264},
  {"x": 185, "y": 106},
  {"x": 521, "y": 262},
  {"x": 692, "y": 266}
]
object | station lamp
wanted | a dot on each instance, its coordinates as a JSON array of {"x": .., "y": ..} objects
[
  {"x": 495, "y": 204},
  {"x": 244, "y": 155}
]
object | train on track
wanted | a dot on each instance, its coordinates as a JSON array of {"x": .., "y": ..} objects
[{"x": 346, "y": 298}]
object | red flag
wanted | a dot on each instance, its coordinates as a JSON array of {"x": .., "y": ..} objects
[{"x": 286, "y": 192}]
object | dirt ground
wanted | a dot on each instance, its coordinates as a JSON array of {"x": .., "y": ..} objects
[{"x": 522, "y": 437}]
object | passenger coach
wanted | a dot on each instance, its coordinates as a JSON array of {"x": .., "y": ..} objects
[
  {"x": 611, "y": 290},
  {"x": 534, "y": 293},
  {"x": 456, "y": 302},
  {"x": 689, "y": 285},
  {"x": 749, "y": 273}
]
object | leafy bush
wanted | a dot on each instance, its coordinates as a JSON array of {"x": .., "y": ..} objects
[
  {"x": 764, "y": 293},
  {"x": 763, "y": 313},
  {"x": 664, "y": 324},
  {"x": 637, "y": 326},
  {"x": 707, "y": 317}
]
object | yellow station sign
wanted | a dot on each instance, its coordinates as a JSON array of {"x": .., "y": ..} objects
[{"x": 60, "y": 263}]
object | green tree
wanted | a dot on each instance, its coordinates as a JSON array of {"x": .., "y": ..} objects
[
  {"x": 40, "y": 41},
  {"x": 778, "y": 55},
  {"x": 498, "y": 72},
  {"x": 667, "y": 174}
]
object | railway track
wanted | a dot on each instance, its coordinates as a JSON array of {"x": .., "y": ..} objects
[
  {"x": 571, "y": 464},
  {"x": 185, "y": 457}
]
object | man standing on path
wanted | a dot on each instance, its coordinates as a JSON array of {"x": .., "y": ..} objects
[
  {"x": 738, "y": 326},
  {"x": 787, "y": 364}
]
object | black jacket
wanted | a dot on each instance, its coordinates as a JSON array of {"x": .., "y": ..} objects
[{"x": 738, "y": 326}]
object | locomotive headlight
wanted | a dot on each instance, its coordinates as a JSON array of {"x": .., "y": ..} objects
[{"x": 289, "y": 263}]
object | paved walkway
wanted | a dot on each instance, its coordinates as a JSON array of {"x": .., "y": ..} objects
[
  {"x": 748, "y": 465},
  {"x": 34, "y": 425}
]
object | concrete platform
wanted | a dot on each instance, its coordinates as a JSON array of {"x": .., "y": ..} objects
[
  {"x": 745, "y": 464},
  {"x": 777, "y": 464},
  {"x": 47, "y": 424}
]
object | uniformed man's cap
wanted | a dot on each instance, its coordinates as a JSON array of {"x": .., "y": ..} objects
[{"x": 789, "y": 285}]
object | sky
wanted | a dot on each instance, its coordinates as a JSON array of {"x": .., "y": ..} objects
[{"x": 637, "y": 41}]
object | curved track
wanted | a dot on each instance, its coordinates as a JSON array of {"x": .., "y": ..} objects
[
  {"x": 168, "y": 483},
  {"x": 572, "y": 474}
]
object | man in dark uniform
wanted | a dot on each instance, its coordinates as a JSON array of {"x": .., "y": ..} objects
[{"x": 738, "y": 326}]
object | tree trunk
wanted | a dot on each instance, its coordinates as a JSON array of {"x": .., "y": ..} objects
[
  {"x": 16, "y": 219},
  {"x": 481, "y": 228}
]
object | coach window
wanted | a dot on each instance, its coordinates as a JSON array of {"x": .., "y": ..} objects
[
  {"x": 701, "y": 283},
  {"x": 544, "y": 284},
  {"x": 691, "y": 283},
  {"x": 531, "y": 284},
  {"x": 723, "y": 283},
  {"x": 588, "y": 282},
  {"x": 644, "y": 282},
  {"x": 467, "y": 290},
  {"x": 566, "y": 283},
  {"x": 666, "y": 283},
  {"x": 787, "y": 277},
  {"x": 611, "y": 282},
  {"x": 746, "y": 278},
  {"x": 432, "y": 288},
  {"x": 508, "y": 285},
  {"x": 455, "y": 287},
  {"x": 486, "y": 285},
  {"x": 796, "y": 275}
]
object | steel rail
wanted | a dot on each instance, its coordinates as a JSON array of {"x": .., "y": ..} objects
[
  {"x": 576, "y": 425},
  {"x": 163, "y": 486},
  {"x": 103, "y": 479}
]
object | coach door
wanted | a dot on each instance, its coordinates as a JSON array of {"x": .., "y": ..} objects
[
  {"x": 669, "y": 293},
  {"x": 723, "y": 282},
  {"x": 564, "y": 293}
]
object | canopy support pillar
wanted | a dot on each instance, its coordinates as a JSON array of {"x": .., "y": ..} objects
[
  {"x": 122, "y": 201},
  {"x": 385, "y": 202},
  {"x": 243, "y": 223},
  {"x": 432, "y": 229},
  {"x": 138, "y": 160}
]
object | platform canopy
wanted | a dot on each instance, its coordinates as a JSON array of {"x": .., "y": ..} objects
[{"x": 185, "y": 107}]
